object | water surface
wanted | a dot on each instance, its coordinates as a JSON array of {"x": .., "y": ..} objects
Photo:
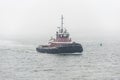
[{"x": 20, "y": 61}]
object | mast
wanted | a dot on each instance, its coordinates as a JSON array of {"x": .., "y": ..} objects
[{"x": 61, "y": 23}]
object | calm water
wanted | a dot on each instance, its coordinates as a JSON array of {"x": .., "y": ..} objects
[{"x": 20, "y": 61}]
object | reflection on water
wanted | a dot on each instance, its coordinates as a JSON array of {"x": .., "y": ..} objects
[{"x": 70, "y": 54}]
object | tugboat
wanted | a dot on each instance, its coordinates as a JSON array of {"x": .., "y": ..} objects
[{"x": 61, "y": 44}]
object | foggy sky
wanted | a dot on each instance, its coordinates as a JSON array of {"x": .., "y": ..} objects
[{"x": 40, "y": 18}]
